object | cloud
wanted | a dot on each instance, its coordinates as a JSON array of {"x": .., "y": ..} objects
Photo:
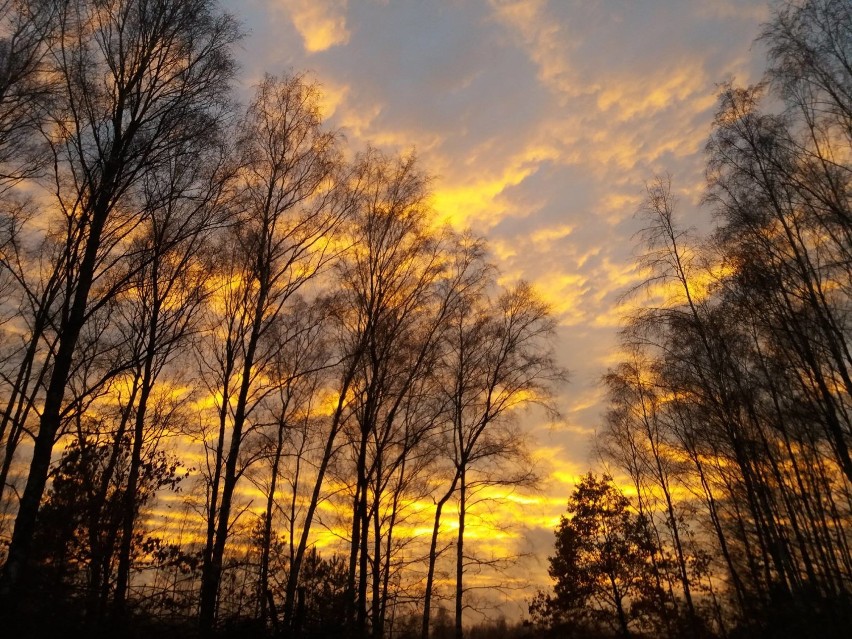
[
  {"x": 333, "y": 97},
  {"x": 479, "y": 201},
  {"x": 321, "y": 23},
  {"x": 544, "y": 39}
]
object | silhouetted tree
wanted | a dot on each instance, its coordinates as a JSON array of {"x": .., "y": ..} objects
[
  {"x": 287, "y": 206},
  {"x": 497, "y": 359},
  {"x": 602, "y": 562},
  {"x": 134, "y": 80}
]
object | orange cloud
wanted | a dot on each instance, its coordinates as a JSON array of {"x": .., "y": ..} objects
[
  {"x": 477, "y": 199},
  {"x": 321, "y": 23}
]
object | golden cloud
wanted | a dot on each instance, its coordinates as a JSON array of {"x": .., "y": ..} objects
[
  {"x": 548, "y": 235},
  {"x": 321, "y": 23},
  {"x": 477, "y": 199},
  {"x": 642, "y": 97}
]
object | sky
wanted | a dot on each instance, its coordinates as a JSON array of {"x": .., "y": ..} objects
[{"x": 541, "y": 121}]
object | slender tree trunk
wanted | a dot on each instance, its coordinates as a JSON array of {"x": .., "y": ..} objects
[
  {"x": 460, "y": 555},
  {"x": 359, "y": 506},
  {"x": 679, "y": 552},
  {"x": 101, "y": 552},
  {"x": 619, "y": 607},
  {"x": 219, "y": 454},
  {"x": 739, "y": 588},
  {"x": 433, "y": 556},
  {"x": 266, "y": 542},
  {"x": 652, "y": 433},
  {"x": 363, "y": 565},
  {"x": 130, "y": 506},
  {"x": 389, "y": 549},
  {"x": 378, "y": 568}
]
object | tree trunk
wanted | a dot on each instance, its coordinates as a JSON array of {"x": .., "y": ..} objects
[
  {"x": 359, "y": 506},
  {"x": 266, "y": 542},
  {"x": 378, "y": 631},
  {"x": 433, "y": 556},
  {"x": 619, "y": 607},
  {"x": 363, "y": 567},
  {"x": 460, "y": 555}
]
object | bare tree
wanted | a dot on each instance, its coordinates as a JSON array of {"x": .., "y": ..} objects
[
  {"x": 135, "y": 80},
  {"x": 390, "y": 277},
  {"x": 294, "y": 428},
  {"x": 289, "y": 201},
  {"x": 496, "y": 361},
  {"x": 26, "y": 29},
  {"x": 185, "y": 199}
]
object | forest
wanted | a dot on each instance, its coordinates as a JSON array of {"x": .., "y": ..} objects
[{"x": 252, "y": 386}]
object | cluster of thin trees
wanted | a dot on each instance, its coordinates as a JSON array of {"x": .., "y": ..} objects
[
  {"x": 731, "y": 412},
  {"x": 226, "y": 337}
]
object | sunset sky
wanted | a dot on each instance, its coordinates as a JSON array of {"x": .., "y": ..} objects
[{"x": 541, "y": 122}]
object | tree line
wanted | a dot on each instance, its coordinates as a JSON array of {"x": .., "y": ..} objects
[
  {"x": 730, "y": 415},
  {"x": 227, "y": 337}
]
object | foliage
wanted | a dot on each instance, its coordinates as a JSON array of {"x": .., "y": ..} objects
[
  {"x": 602, "y": 563},
  {"x": 76, "y": 523}
]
